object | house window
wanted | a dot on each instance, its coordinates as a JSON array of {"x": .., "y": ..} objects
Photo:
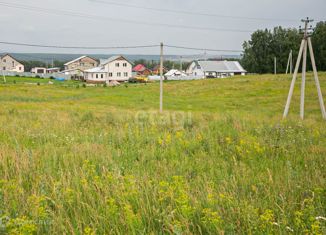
[
  {"x": 124, "y": 64},
  {"x": 110, "y": 74},
  {"x": 4, "y": 68},
  {"x": 101, "y": 75},
  {"x": 119, "y": 74},
  {"x": 96, "y": 75},
  {"x": 126, "y": 74},
  {"x": 117, "y": 64},
  {"x": 4, "y": 60},
  {"x": 20, "y": 68},
  {"x": 13, "y": 64}
]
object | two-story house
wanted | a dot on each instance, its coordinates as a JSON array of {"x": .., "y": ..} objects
[
  {"x": 116, "y": 68},
  {"x": 9, "y": 63},
  {"x": 77, "y": 66}
]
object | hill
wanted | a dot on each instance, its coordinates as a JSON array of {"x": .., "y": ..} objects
[{"x": 219, "y": 160}]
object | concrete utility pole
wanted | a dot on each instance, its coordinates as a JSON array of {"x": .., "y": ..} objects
[
  {"x": 290, "y": 63},
  {"x": 305, "y": 44},
  {"x": 180, "y": 63},
  {"x": 3, "y": 72},
  {"x": 275, "y": 65},
  {"x": 161, "y": 79}
]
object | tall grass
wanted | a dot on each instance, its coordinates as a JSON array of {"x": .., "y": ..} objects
[{"x": 90, "y": 166}]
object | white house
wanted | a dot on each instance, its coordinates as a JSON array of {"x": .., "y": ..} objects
[
  {"x": 116, "y": 68},
  {"x": 9, "y": 63},
  {"x": 215, "y": 69}
]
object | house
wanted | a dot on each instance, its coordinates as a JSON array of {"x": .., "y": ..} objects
[
  {"x": 9, "y": 63},
  {"x": 215, "y": 69},
  {"x": 38, "y": 70},
  {"x": 116, "y": 68},
  {"x": 77, "y": 66},
  {"x": 156, "y": 70},
  {"x": 141, "y": 70}
]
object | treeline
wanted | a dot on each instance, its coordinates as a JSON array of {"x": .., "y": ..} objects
[
  {"x": 264, "y": 45},
  {"x": 29, "y": 64},
  {"x": 168, "y": 64}
]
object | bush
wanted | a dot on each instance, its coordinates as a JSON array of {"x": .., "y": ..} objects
[
  {"x": 84, "y": 85},
  {"x": 17, "y": 75},
  {"x": 37, "y": 76},
  {"x": 105, "y": 85},
  {"x": 52, "y": 77},
  {"x": 14, "y": 81},
  {"x": 38, "y": 84},
  {"x": 77, "y": 86}
]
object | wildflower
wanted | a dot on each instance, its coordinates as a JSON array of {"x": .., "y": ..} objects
[{"x": 228, "y": 140}]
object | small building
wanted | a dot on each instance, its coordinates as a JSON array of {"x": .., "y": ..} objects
[
  {"x": 116, "y": 68},
  {"x": 156, "y": 70},
  {"x": 76, "y": 67},
  {"x": 175, "y": 73},
  {"x": 141, "y": 70},
  {"x": 215, "y": 69},
  {"x": 38, "y": 70},
  {"x": 10, "y": 64},
  {"x": 53, "y": 70}
]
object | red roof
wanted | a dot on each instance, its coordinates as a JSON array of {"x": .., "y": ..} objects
[{"x": 139, "y": 68}]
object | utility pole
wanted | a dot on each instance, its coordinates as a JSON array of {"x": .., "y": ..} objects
[
  {"x": 3, "y": 72},
  {"x": 275, "y": 64},
  {"x": 180, "y": 63},
  {"x": 290, "y": 63},
  {"x": 161, "y": 79},
  {"x": 305, "y": 45}
]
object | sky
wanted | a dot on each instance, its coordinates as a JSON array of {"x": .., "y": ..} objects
[{"x": 104, "y": 24}]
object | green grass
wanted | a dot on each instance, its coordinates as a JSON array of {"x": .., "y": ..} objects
[{"x": 220, "y": 159}]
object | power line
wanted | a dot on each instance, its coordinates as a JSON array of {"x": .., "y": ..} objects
[
  {"x": 115, "y": 47},
  {"x": 191, "y": 12},
  {"x": 95, "y": 17},
  {"x": 76, "y": 47},
  {"x": 201, "y": 49}
]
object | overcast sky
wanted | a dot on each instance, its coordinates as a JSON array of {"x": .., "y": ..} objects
[{"x": 39, "y": 27}]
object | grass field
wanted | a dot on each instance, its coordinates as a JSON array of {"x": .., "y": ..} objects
[{"x": 220, "y": 160}]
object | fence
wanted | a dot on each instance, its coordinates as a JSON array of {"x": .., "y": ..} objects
[{"x": 33, "y": 75}]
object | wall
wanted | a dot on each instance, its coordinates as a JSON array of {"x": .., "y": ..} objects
[{"x": 11, "y": 64}]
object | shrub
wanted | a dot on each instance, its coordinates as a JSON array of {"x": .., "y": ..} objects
[
  {"x": 37, "y": 76},
  {"x": 38, "y": 84},
  {"x": 84, "y": 85}
]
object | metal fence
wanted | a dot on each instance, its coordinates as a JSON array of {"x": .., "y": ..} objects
[{"x": 34, "y": 75}]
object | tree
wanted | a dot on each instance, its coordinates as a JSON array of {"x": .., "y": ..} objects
[{"x": 319, "y": 45}]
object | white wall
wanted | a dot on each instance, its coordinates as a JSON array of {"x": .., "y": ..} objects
[
  {"x": 7, "y": 63},
  {"x": 112, "y": 68}
]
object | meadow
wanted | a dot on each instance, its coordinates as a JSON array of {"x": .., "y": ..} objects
[{"x": 219, "y": 160}]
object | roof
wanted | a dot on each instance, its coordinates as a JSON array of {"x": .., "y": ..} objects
[
  {"x": 79, "y": 58},
  {"x": 113, "y": 58},
  {"x": 96, "y": 70},
  {"x": 175, "y": 72},
  {"x": 11, "y": 57},
  {"x": 139, "y": 68},
  {"x": 157, "y": 67},
  {"x": 220, "y": 66}
]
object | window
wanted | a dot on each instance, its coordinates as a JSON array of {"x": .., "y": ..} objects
[
  {"x": 4, "y": 61},
  {"x": 13, "y": 64},
  {"x": 101, "y": 75},
  {"x": 96, "y": 75},
  {"x": 20, "y": 68},
  {"x": 4, "y": 68},
  {"x": 119, "y": 74},
  {"x": 110, "y": 74},
  {"x": 125, "y": 74},
  {"x": 117, "y": 64},
  {"x": 124, "y": 64}
]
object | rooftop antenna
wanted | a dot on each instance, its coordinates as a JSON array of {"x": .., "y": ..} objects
[{"x": 305, "y": 44}]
